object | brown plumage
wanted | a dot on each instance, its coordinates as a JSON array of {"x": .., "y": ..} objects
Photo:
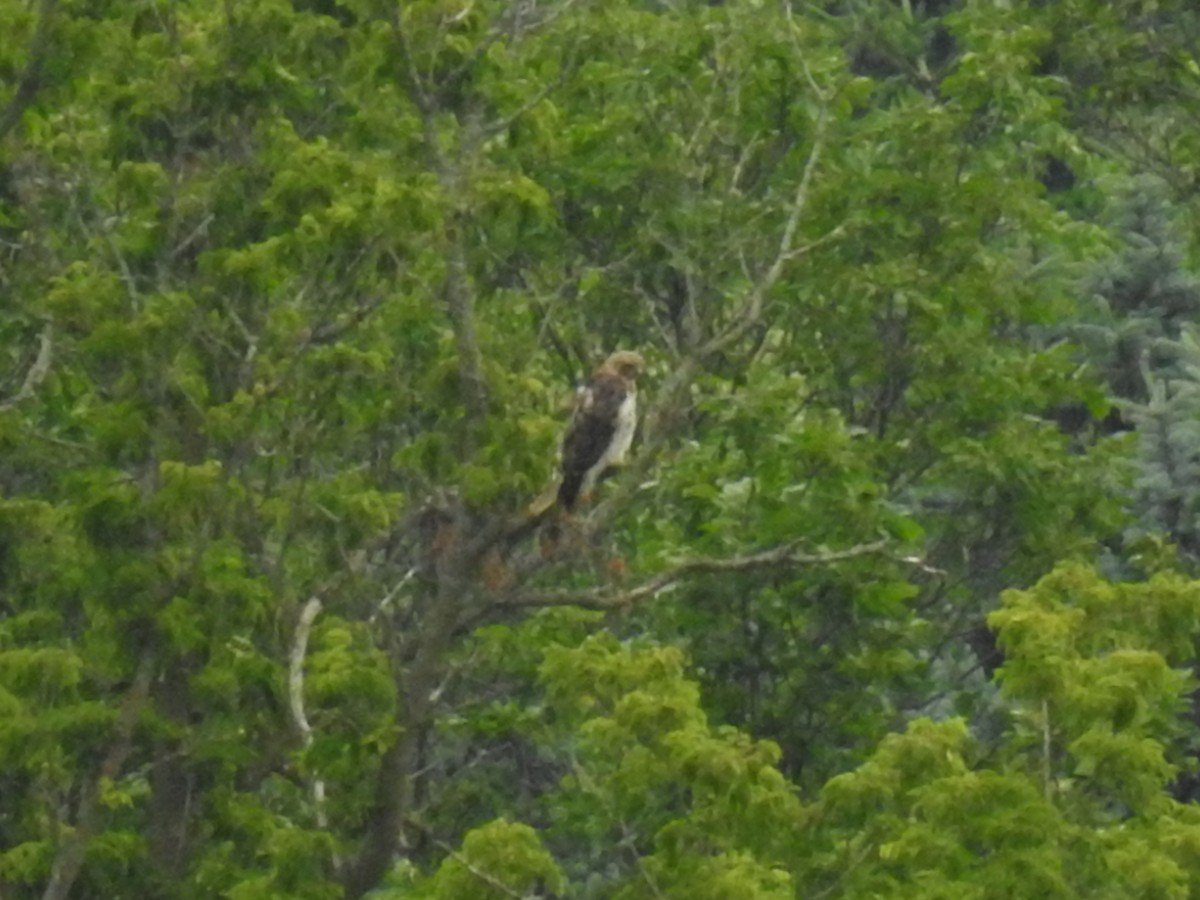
[{"x": 602, "y": 426}]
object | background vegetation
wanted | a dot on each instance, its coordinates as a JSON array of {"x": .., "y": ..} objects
[{"x": 897, "y": 597}]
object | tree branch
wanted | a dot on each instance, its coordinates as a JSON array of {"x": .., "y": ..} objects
[
  {"x": 503, "y": 124},
  {"x": 416, "y": 684},
  {"x": 296, "y": 694},
  {"x": 516, "y": 29},
  {"x": 488, "y": 879},
  {"x": 28, "y": 84},
  {"x": 659, "y": 420},
  {"x": 602, "y": 598},
  {"x": 36, "y": 374},
  {"x": 751, "y": 310},
  {"x": 460, "y": 302},
  {"x": 68, "y": 861}
]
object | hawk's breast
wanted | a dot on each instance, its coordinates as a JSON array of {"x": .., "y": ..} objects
[{"x": 626, "y": 423}]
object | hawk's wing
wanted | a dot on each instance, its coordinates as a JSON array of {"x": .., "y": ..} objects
[{"x": 591, "y": 432}]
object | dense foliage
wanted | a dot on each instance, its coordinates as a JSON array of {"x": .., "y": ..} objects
[{"x": 895, "y": 598}]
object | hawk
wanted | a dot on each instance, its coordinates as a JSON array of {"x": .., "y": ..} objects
[{"x": 602, "y": 426}]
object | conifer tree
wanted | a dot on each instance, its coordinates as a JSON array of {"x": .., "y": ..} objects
[
  {"x": 1142, "y": 297},
  {"x": 1137, "y": 335}
]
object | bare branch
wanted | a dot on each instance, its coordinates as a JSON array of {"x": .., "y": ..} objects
[
  {"x": 199, "y": 231},
  {"x": 661, "y": 420},
  {"x": 751, "y": 310},
  {"x": 127, "y": 275},
  {"x": 247, "y": 335},
  {"x": 328, "y": 332},
  {"x": 744, "y": 157},
  {"x": 830, "y": 236},
  {"x": 68, "y": 861},
  {"x": 412, "y": 78},
  {"x": 1047, "y": 746},
  {"x": 458, "y": 292},
  {"x": 628, "y": 835},
  {"x": 706, "y": 116},
  {"x": 386, "y": 602},
  {"x": 812, "y": 82},
  {"x": 505, "y": 123},
  {"x": 36, "y": 374},
  {"x": 28, "y": 84},
  {"x": 603, "y": 598},
  {"x": 296, "y": 703},
  {"x": 486, "y": 878},
  {"x": 54, "y": 439},
  {"x": 296, "y": 694},
  {"x": 629, "y": 840}
]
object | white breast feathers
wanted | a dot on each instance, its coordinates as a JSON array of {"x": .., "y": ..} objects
[{"x": 618, "y": 447}]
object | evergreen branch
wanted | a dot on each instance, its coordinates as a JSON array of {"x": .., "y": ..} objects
[
  {"x": 68, "y": 861},
  {"x": 456, "y": 286},
  {"x": 602, "y": 598},
  {"x": 27, "y": 85}
]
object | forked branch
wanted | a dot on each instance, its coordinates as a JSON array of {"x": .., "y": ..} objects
[
  {"x": 602, "y": 598},
  {"x": 660, "y": 420},
  {"x": 752, "y": 307}
]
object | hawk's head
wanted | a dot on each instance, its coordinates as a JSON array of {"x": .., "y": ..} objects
[{"x": 626, "y": 363}]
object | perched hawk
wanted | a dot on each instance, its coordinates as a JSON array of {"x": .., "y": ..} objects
[{"x": 602, "y": 426}]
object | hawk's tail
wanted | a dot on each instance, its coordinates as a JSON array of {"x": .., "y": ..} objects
[
  {"x": 535, "y": 513},
  {"x": 543, "y": 503}
]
